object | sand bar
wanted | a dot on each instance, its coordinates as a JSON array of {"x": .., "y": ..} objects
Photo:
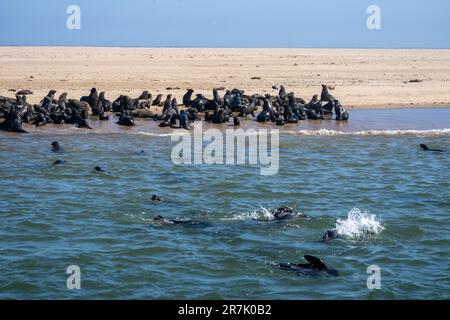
[{"x": 363, "y": 78}]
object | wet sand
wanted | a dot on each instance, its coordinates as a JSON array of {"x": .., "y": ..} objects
[{"x": 362, "y": 78}]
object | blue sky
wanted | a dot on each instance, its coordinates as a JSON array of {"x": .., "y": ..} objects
[{"x": 227, "y": 23}]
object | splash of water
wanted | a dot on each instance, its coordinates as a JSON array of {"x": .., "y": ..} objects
[
  {"x": 265, "y": 214},
  {"x": 358, "y": 224}
]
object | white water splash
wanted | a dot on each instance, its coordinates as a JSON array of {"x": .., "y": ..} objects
[
  {"x": 327, "y": 132},
  {"x": 265, "y": 214},
  {"x": 358, "y": 224}
]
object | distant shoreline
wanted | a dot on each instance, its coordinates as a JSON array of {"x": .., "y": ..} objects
[{"x": 216, "y": 47}]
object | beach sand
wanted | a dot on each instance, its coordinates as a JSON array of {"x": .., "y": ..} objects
[{"x": 363, "y": 78}]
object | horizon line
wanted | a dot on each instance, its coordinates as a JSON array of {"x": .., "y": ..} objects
[{"x": 217, "y": 47}]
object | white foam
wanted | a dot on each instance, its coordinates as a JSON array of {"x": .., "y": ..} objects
[
  {"x": 358, "y": 224},
  {"x": 327, "y": 132},
  {"x": 153, "y": 134},
  {"x": 265, "y": 214}
]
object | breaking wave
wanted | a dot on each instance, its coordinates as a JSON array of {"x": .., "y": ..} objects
[
  {"x": 412, "y": 132},
  {"x": 154, "y": 134}
]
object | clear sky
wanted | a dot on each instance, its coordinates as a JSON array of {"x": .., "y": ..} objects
[{"x": 227, "y": 23}]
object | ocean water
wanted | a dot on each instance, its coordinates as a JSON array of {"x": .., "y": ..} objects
[{"x": 388, "y": 199}]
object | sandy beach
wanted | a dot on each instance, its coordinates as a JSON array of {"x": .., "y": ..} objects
[{"x": 363, "y": 78}]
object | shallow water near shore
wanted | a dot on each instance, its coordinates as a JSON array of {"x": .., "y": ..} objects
[{"x": 367, "y": 177}]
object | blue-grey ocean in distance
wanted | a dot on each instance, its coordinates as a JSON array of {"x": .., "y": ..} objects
[{"x": 368, "y": 177}]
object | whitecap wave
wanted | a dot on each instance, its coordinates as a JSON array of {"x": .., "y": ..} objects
[
  {"x": 358, "y": 224},
  {"x": 412, "y": 132}
]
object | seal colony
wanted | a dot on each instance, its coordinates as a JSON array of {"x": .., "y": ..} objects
[{"x": 284, "y": 108}]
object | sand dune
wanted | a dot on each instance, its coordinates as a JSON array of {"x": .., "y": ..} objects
[{"x": 362, "y": 78}]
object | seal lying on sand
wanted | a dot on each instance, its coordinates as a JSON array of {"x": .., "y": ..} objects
[
  {"x": 313, "y": 267},
  {"x": 425, "y": 147}
]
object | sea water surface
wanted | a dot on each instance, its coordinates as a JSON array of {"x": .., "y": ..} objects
[{"x": 368, "y": 178}]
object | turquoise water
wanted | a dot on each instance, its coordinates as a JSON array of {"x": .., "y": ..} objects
[{"x": 54, "y": 217}]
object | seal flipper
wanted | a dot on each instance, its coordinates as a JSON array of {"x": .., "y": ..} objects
[{"x": 315, "y": 262}]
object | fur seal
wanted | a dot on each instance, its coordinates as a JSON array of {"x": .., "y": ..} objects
[
  {"x": 144, "y": 95},
  {"x": 314, "y": 266},
  {"x": 217, "y": 98},
  {"x": 106, "y": 104},
  {"x": 187, "y": 98},
  {"x": 56, "y": 147},
  {"x": 425, "y": 147},
  {"x": 267, "y": 113},
  {"x": 51, "y": 95},
  {"x": 59, "y": 162},
  {"x": 283, "y": 213},
  {"x": 92, "y": 100},
  {"x": 13, "y": 120},
  {"x": 325, "y": 95},
  {"x": 184, "y": 120},
  {"x": 282, "y": 92},
  {"x": 330, "y": 235},
  {"x": 155, "y": 198},
  {"x": 168, "y": 102},
  {"x": 126, "y": 119},
  {"x": 97, "y": 168},
  {"x": 184, "y": 222},
  {"x": 157, "y": 100}
]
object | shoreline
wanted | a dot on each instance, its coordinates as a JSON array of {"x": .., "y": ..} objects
[
  {"x": 400, "y": 106},
  {"x": 363, "y": 78},
  {"x": 362, "y": 122}
]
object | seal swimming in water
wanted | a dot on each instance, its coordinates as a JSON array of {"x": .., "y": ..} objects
[
  {"x": 185, "y": 222},
  {"x": 313, "y": 267},
  {"x": 59, "y": 162},
  {"x": 283, "y": 213},
  {"x": 56, "y": 147},
  {"x": 425, "y": 147},
  {"x": 97, "y": 168},
  {"x": 155, "y": 198},
  {"x": 330, "y": 235}
]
